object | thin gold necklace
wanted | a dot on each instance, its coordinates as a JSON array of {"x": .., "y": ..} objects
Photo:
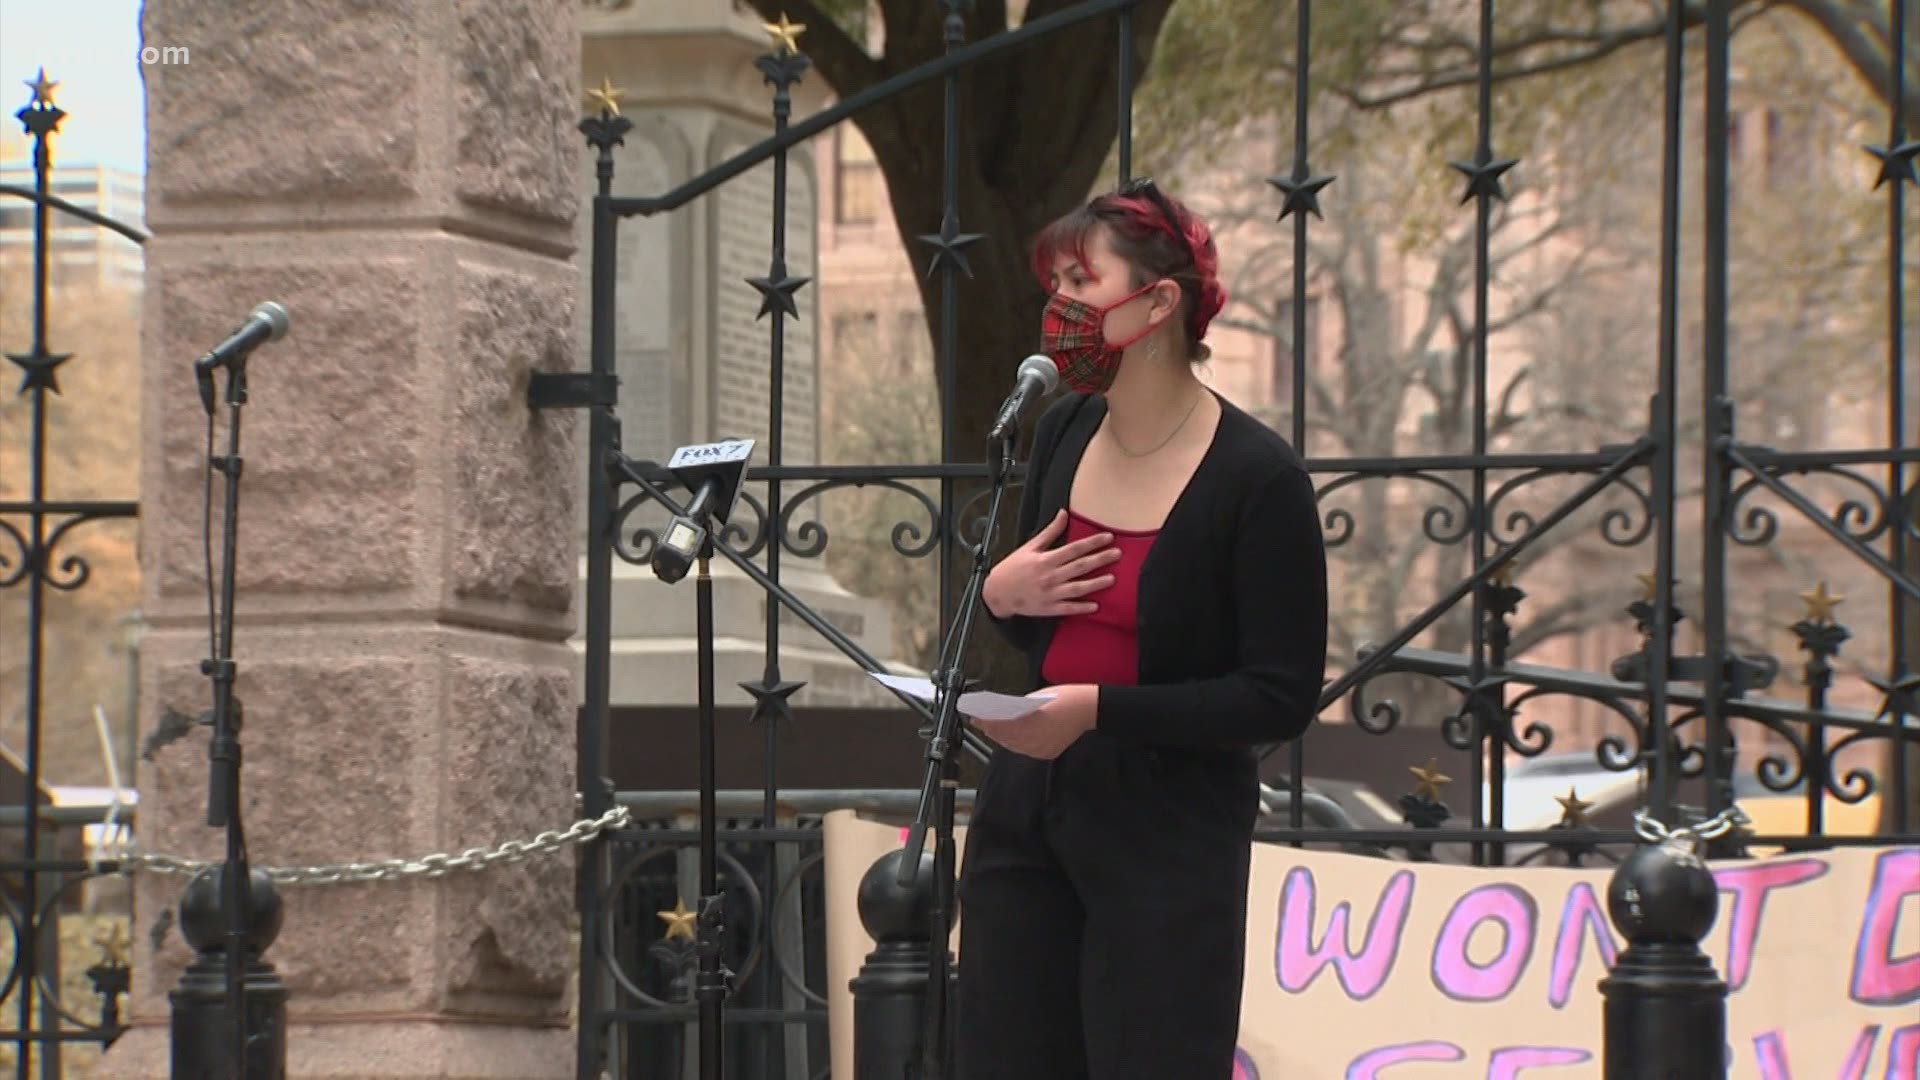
[{"x": 1122, "y": 447}]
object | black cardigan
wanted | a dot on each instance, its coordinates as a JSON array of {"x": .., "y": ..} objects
[{"x": 1233, "y": 594}]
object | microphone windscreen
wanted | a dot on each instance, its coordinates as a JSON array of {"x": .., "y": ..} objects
[
  {"x": 1041, "y": 367},
  {"x": 276, "y": 316}
]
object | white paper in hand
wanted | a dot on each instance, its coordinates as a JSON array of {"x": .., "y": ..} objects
[
  {"x": 918, "y": 689},
  {"x": 977, "y": 705},
  {"x": 989, "y": 706}
]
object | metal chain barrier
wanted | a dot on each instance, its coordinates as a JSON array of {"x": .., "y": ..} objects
[
  {"x": 1689, "y": 838},
  {"x": 472, "y": 860}
]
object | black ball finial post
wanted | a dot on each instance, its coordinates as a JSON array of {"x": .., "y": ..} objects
[
  {"x": 201, "y": 1022},
  {"x": 1666, "y": 1008},
  {"x": 890, "y": 993}
]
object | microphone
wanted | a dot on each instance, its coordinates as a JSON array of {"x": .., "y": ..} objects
[
  {"x": 267, "y": 322},
  {"x": 674, "y": 553},
  {"x": 713, "y": 472},
  {"x": 1037, "y": 377}
]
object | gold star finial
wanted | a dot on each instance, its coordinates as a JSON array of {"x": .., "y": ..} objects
[
  {"x": 1503, "y": 574},
  {"x": 785, "y": 35},
  {"x": 42, "y": 88},
  {"x": 1820, "y": 604},
  {"x": 1573, "y": 809},
  {"x": 1429, "y": 780},
  {"x": 679, "y": 921},
  {"x": 1649, "y": 588},
  {"x": 113, "y": 942},
  {"x": 605, "y": 97}
]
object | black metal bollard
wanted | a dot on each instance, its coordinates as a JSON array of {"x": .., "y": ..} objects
[
  {"x": 1666, "y": 1008},
  {"x": 890, "y": 993},
  {"x": 202, "y": 1030}
]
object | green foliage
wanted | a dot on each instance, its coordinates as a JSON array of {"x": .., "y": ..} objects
[
  {"x": 849, "y": 15},
  {"x": 1222, "y": 65}
]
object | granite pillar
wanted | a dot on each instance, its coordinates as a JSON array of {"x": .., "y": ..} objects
[{"x": 403, "y": 177}]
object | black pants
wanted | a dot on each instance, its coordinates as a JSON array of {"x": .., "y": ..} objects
[{"x": 1103, "y": 902}]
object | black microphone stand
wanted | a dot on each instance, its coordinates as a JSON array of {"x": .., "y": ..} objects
[
  {"x": 223, "y": 781},
  {"x": 943, "y": 779},
  {"x": 711, "y": 977},
  {"x": 710, "y": 982}
]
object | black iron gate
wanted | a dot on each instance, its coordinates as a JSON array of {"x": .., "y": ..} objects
[
  {"x": 45, "y": 871},
  {"x": 1676, "y": 713}
]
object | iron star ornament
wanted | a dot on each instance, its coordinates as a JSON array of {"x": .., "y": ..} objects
[
  {"x": 679, "y": 921},
  {"x": 1820, "y": 604},
  {"x": 42, "y": 88},
  {"x": 785, "y": 34},
  {"x": 1430, "y": 780},
  {"x": 605, "y": 97},
  {"x": 1573, "y": 809}
]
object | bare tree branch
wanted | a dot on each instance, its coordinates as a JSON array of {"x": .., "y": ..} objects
[
  {"x": 1504, "y": 418},
  {"x": 1848, "y": 23},
  {"x": 1600, "y": 47},
  {"x": 1851, "y": 25},
  {"x": 1575, "y": 613}
]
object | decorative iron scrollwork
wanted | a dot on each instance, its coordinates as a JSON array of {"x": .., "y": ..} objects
[
  {"x": 1858, "y": 784},
  {"x": 908, "y": 539},
  {"x": 1444, "y": 523},
  {"x": 1860, "y": 519},
  {"x": 1620, "y": 526},
  {"x": 69, "y": 573}
]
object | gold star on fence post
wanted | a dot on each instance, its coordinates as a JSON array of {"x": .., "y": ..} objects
[
  {"x": 1573, "y": 809},
  {"x": 1820, "y": 604},
  {"x": 679, "y": 921},
  {"x": 42, "y": 88},
  {"x": 1429, "y": 780},
  {"x": 606, "y": 97},
  {"x": 785, "y": 35},
  {"x": 113, "y": 943}
]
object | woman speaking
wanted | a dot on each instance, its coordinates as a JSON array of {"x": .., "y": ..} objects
[{"x": 1169, "y": 592}]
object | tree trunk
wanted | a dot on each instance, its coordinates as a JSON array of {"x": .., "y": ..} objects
[
  {"x": 1036, "y": 128},
  {"x": 996, "y": 318}
]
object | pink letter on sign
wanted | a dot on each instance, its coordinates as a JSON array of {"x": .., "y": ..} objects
[
  {"x": 1879, "y": 978},
  {"x": 1368, "y": 1066},
  {"x": 1771, "y": 1058},
  {"x": 1581, "y": 916},
  {"x": 1749, "y": 885},
  {"x": 1509, "y": 1060},
  {"x": 1903, "y": 1053},
  {"x": 1297, "y": 961},
  {"x": 1455, "y": 973}
]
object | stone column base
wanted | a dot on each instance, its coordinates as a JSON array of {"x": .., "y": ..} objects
[{"x": 415, "y": 1049}]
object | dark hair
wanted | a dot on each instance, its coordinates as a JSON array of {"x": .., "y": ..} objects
[{"x": 1158, "y": 237}]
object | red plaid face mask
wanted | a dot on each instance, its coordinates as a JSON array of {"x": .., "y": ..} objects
[{"x": 1072, "y": 333}]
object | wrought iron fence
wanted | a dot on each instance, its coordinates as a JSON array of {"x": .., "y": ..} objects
[
  {"x": 1674, "y": 715},
  {"x": 771, "y": 873},
  {"x": 45, "y": 873}
]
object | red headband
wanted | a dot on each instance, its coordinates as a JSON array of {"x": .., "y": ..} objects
[{"x": 1198, "y": 241}]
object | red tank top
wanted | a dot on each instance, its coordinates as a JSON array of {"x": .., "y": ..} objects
[{"x": 1103, "y": 647}]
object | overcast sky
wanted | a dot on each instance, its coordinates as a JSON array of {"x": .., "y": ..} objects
[{"x": 92, "y": 49}]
